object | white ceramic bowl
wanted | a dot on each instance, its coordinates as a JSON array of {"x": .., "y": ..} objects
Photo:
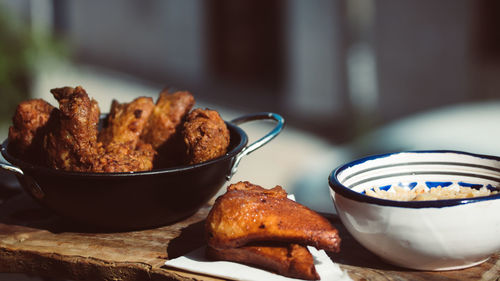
[{"x": 425, "y": 235}]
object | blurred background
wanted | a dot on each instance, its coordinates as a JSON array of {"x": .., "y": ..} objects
[{"x": 352, "y": 78}]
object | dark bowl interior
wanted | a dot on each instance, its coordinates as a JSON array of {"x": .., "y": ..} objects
[{"x": 128, "y": 201}]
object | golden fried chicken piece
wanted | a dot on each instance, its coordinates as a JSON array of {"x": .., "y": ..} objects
[
  {"x": 290, "y": 260},
  {"x": 168, "y": 113},
  {"x": 163, "y": 128},
  {"x": 121, "y": 148},
  {"x": 205, "y": 135},
  {"x": 118, "y": 157},
  {"x": 28, "y": 128},
  {"x": 249, "y": 213},
  {"x": 70, "y": 143},
  {"x": 125, "y": 122}
]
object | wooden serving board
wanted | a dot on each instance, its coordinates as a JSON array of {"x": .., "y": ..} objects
[{"x": 35, "y": 241}]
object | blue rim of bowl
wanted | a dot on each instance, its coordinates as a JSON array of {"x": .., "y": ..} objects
[{"x": 339, "y": 188}]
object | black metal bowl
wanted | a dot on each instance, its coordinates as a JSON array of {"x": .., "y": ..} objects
[{"x": 137, "y": 200}]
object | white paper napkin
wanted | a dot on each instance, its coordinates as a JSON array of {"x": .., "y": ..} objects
[{"x": 196, "y": 262}]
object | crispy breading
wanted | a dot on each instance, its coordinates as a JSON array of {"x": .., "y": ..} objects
[
  {"x": 262, "y": 227},
  {"x": 169, "y": 111},
  {"x": 125, "y": 121},
  {"x": 249, "y": 213},
  {"x": 205, "y": 135},
  {"x": 117, "y": 157},
  {"x": 163, "y": 128},
  {"x": 67, "y": 138},
  {"x": 70, "y": 143},
  {"x": 27, "y": 130}
]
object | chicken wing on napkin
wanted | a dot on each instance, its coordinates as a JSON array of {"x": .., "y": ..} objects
[
  {"x": 249, "y": 213},
  {"x": 262, "y": 227}
]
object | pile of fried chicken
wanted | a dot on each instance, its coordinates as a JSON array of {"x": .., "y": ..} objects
[
  {"x": 262, "y": 227},
  {"x": 135, "y": 136}
]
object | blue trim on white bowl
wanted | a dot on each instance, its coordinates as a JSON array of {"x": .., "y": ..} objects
[
  {"x": 425, "y": 173},
  {"x": 339, "y": 188},
  {"x": 424, "y": 163}
]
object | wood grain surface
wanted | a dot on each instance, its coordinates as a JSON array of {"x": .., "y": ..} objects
[{"x": 35, "y": 241}]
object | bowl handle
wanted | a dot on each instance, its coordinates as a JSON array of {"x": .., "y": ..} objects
[
  {"x": 280, "y": 123},
  {"x": 11, "y": 168},
  {"x": 24, "y": 179}
]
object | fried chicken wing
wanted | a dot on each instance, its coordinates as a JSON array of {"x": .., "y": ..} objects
[
  {"x": 125, "y": 121},
  {"x": 206, "y": 136},
  {"x": 163, "y": 128},
  {"x": 70, "y": 143},
  {"x": 249, "y": 213},
  {"x": 169, "y": 111},
  {"x": 290, "y": 260},
  {"x": 121, "y": 147},
  {"x": 28, "y": 128},
  {"x": 132, "y": 138}
]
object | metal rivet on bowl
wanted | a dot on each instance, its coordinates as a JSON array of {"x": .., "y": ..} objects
[{"x": 34, "y": 187}]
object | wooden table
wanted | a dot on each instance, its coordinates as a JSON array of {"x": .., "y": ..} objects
[{"x": 35, "y": 241}]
